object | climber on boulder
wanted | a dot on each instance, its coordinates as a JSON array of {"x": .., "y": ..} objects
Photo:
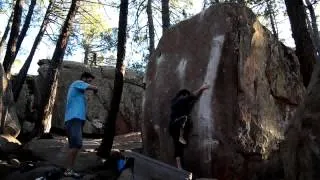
[{"x": 180, "y": 123}]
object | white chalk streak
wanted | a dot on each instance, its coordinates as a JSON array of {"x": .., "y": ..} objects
[{"x": 205, "y": 115}]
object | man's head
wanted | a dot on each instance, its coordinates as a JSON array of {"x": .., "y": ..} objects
[
  {"x": 183, "y": 93},
  {"x": 87, "y": 77}
]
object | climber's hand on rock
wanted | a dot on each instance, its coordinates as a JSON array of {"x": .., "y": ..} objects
[{"x": 205, "y": 86}]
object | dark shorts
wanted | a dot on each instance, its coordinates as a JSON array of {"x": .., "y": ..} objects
[
  {"x": 174, "y": 131},
  {"x": 74, "y": 129}
]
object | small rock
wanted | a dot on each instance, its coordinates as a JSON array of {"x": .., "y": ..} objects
[
  {"x": 15, "y": 162},
  {"x": 9, "y": 143}
]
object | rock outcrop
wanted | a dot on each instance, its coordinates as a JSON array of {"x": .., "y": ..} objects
[
  {"x": 255, "y": 87},
  {"x": 9, "y": 118},
  {"x": 130, "y": 108}
]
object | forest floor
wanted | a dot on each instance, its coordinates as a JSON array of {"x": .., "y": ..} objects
[{"x": 44, "y": 159}]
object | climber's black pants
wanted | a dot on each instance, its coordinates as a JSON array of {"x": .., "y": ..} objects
[{"x": 174, "y": 130}]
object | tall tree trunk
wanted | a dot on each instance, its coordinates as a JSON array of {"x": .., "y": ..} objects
[
  {"x": 22, "y": 75},
  {"x": 309, "y": 26},
  {"x": 6, "y": 32},
  {"x": 315, "y": 34},
  {"x": 151, "y": 27},
  {"x": 11, "y": 47},
  {"x": 110, "y": 122},
  {"x": 26, "y": 26},
  {"x": 2, "y": 106},
  {"x": 86, "y": 54},
  {"x": 165, "y": 15},
  {"x": 94, "y": 59},
  {"x": 47, "y": 100},
  {"x": 299, "y": 150},
  {"x": 272, "y": 18},
  {"x": 304, "y": 49}
]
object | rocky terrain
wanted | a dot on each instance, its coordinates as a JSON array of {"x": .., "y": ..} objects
[{"x": 45, "y": 158}]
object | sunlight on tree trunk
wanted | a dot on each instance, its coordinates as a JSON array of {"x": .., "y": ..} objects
[
  {"x": 11, "y": 127},
  {"x": 5, "y": 34},
  {"x": 53, "y": 69},
  {"x": 110, "y": 122},
  {"x": 46, "y": 122}
]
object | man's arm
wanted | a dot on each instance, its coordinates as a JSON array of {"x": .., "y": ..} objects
[
  {"x": 93, "y": 88},
  {"x": 199, "y": 91},
  {"x": 81, "y": 85}
]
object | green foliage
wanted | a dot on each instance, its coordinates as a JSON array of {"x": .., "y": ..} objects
[
  {"x": 181, "y": 9},
  {"x": 92, "y": 33},
  {"x": 92, "y": 22}
]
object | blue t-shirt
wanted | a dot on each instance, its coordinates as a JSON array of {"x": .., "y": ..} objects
[{"x": 76, "y": 101}]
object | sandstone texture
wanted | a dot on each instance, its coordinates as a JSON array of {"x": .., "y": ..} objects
[
  {"x": 9, "y": 119},
  {"x": 129, "y": 117},
  {"x": 255, "y": 88}
]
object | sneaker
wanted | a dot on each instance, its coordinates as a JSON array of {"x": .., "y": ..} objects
[
  {"x": 71, "y": 173},
  {"x": 182, "y": 140}
]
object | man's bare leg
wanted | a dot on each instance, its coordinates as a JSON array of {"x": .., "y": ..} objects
[
  {"x": 181, "y": 139},
  {"x": 178, "y": 161},
  {"x": 71, "y": 158}
]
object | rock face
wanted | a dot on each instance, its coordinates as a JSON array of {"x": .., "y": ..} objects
[
  {"x": 130, "y": 108},
  {"x": 255, "y": 87},
  {"x": 8, "y": 109}
]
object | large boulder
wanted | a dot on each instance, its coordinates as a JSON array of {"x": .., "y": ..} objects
[
  {"x": 130, "y": 108},
  {"x": 9, "y": 118},
  {"x": 255, "y": 87}
]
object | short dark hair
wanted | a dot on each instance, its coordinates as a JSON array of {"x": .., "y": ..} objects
[
  {"x": 86, "y": 75},
  {"x": 182, "y": 92}
]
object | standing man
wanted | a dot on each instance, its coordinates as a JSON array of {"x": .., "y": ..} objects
[{"x": 75, "y": 117}]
